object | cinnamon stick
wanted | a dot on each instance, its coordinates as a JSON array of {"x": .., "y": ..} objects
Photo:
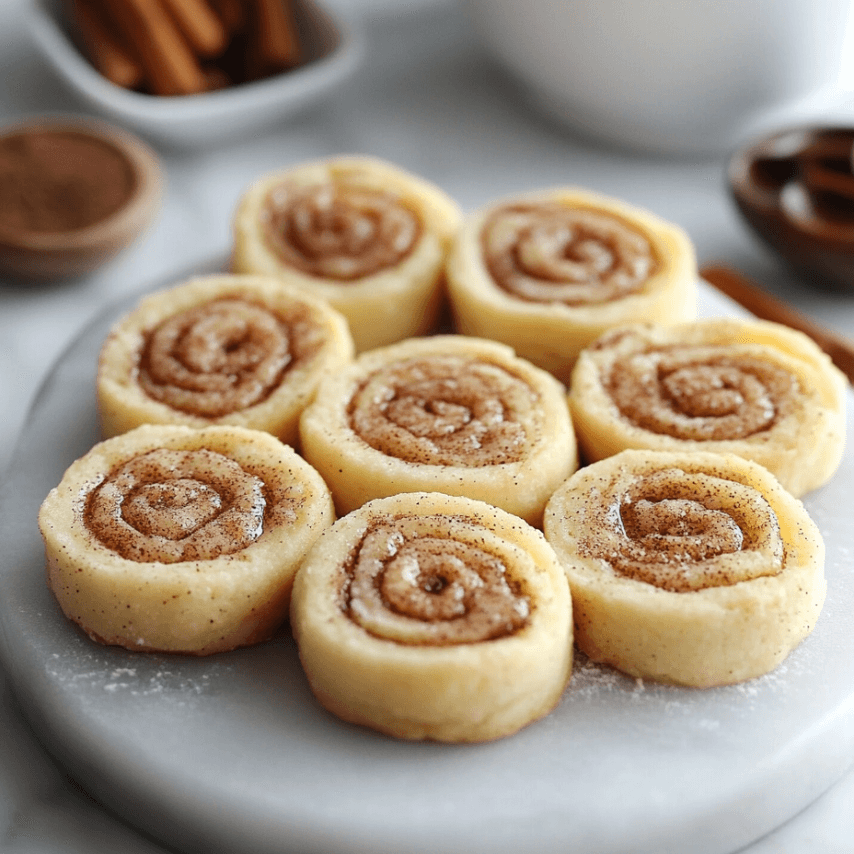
[
  {"x": 170, "y": 66},
  {"x": 767, "y": 307},
  {"x": 277, "y": 43},
  {"x": 231, "y": 13},
  {"x": 104, "y": 46},
  {"x": 182, "y": 47},
  {"x": 201, "y": 27}
]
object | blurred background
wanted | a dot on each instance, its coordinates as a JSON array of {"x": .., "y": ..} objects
[{"x": 422, "y": 88}]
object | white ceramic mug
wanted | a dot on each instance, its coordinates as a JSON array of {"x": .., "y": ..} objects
[{"x": 672, "y": 76}]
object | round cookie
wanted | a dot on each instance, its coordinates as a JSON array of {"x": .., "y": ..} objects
[
  {"x": 427, "y": 616},
  {"x": 173, "y": 539},
  {"x": 692, "y": 568},
  {"x": 747, "y": 387},
  {"x": 246, "y": 351},
  {"x": 363, "y": 234},
  {"x": 445, "y": 413},
  {"x": 547, "y": 272}
]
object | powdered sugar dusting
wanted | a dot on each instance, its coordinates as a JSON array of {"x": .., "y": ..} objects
[
  {"x": 599, "y": 683},
  {"x": 590, "y": 679},
  {"x": 152, "y": 677}
]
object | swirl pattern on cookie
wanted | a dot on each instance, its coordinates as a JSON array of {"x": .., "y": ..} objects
[
  {"x": 695, "y": 568},
  {"x": 572, "y": 255},
  {"x": 365, "y": 235},
  {"x": 335, "y": 231},
  {"x": 177, "y": 539},
  {"x": 445, "y": 413},
  {"x": 227, "y": 349},
  {"x": 411, "y": 585},
  {"x": 752, "y": 388},
  {"x": 548, "y": 272},
  {"x": 215, "y": 359},
  {"x": 403, "y": 601},
  {"x": 173, "y": 505}
]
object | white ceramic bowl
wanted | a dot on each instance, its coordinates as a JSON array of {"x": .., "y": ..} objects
[
  {"x": 334, "y": 51},
  {"x": 668, "y": 76}
]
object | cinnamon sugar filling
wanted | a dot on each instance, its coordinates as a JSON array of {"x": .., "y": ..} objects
[
  {"x": 683, "y": 531},
  {"x": 177, "y": 505},
  {"x": 432, "y": 580},
  {"x": 556, "y": 253},
  {"x": 339, "y": 231},
  {"x": 700, "y": 393},
  {"x": 447, "y": 411},
  {"x": 223, "y": 356}
]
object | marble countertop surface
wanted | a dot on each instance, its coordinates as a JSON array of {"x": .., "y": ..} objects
[{"x": 428, "y": 98}]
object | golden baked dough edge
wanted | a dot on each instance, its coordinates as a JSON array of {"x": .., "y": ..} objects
[
  {"x": 467, "y": 692},
  {"x": 196, "y": 607},
  {"x": 551, "y": 335},
  {"x": 391, "y": 305},
  {"x": 714, "y": 636}
]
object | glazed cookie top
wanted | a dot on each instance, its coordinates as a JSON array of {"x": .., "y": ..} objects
[
  {"x": 224, "y": 355},
  {"x": 343, "y": 220},
  {"x": 712, "y": 379},
  {"x": 433, "y": 570},
  {"x": 684, "y": 530},
  {"x": 437, "y": 580},
  {"x": 174, "y": 505},
  {"x": 749, "y": 387},
  {"x": 569, "y": 249},
  {"x": 245, "y": 350}
]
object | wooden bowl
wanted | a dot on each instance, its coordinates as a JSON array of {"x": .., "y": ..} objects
[
  {"x": 795, "y": 189},
  {"x": 73, "y": 193}
]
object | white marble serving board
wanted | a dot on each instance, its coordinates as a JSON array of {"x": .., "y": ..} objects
[{"x": 231, "y": 753}]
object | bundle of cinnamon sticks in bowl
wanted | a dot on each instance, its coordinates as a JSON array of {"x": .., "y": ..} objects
[
  {"x": 183, "y": 47},
  {"x": 195, "y": 72}
]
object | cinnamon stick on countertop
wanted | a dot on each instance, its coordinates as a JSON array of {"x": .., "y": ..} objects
[{"x": 767, "y": 307}]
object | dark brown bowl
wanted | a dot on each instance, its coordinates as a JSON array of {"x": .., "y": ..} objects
[
  {"x": 59, "y": 229},
  {"x": 795, "y": 189}
]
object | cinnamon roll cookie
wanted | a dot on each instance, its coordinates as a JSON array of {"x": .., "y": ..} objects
[
  {"x": 752, "y": 388},
  {"x": 548, "y": 272},
  {"x": 690, "y": 568},
  {"x": 241, "y": 350},
  {"x": 444, "y": 413},
  {"x": 427, "y": 616},
  {"x": 363, "y": 234},
  {"x": 173, "y": 539}
]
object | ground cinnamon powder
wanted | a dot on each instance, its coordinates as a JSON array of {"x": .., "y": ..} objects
[{"x": 59, "y": 180}]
